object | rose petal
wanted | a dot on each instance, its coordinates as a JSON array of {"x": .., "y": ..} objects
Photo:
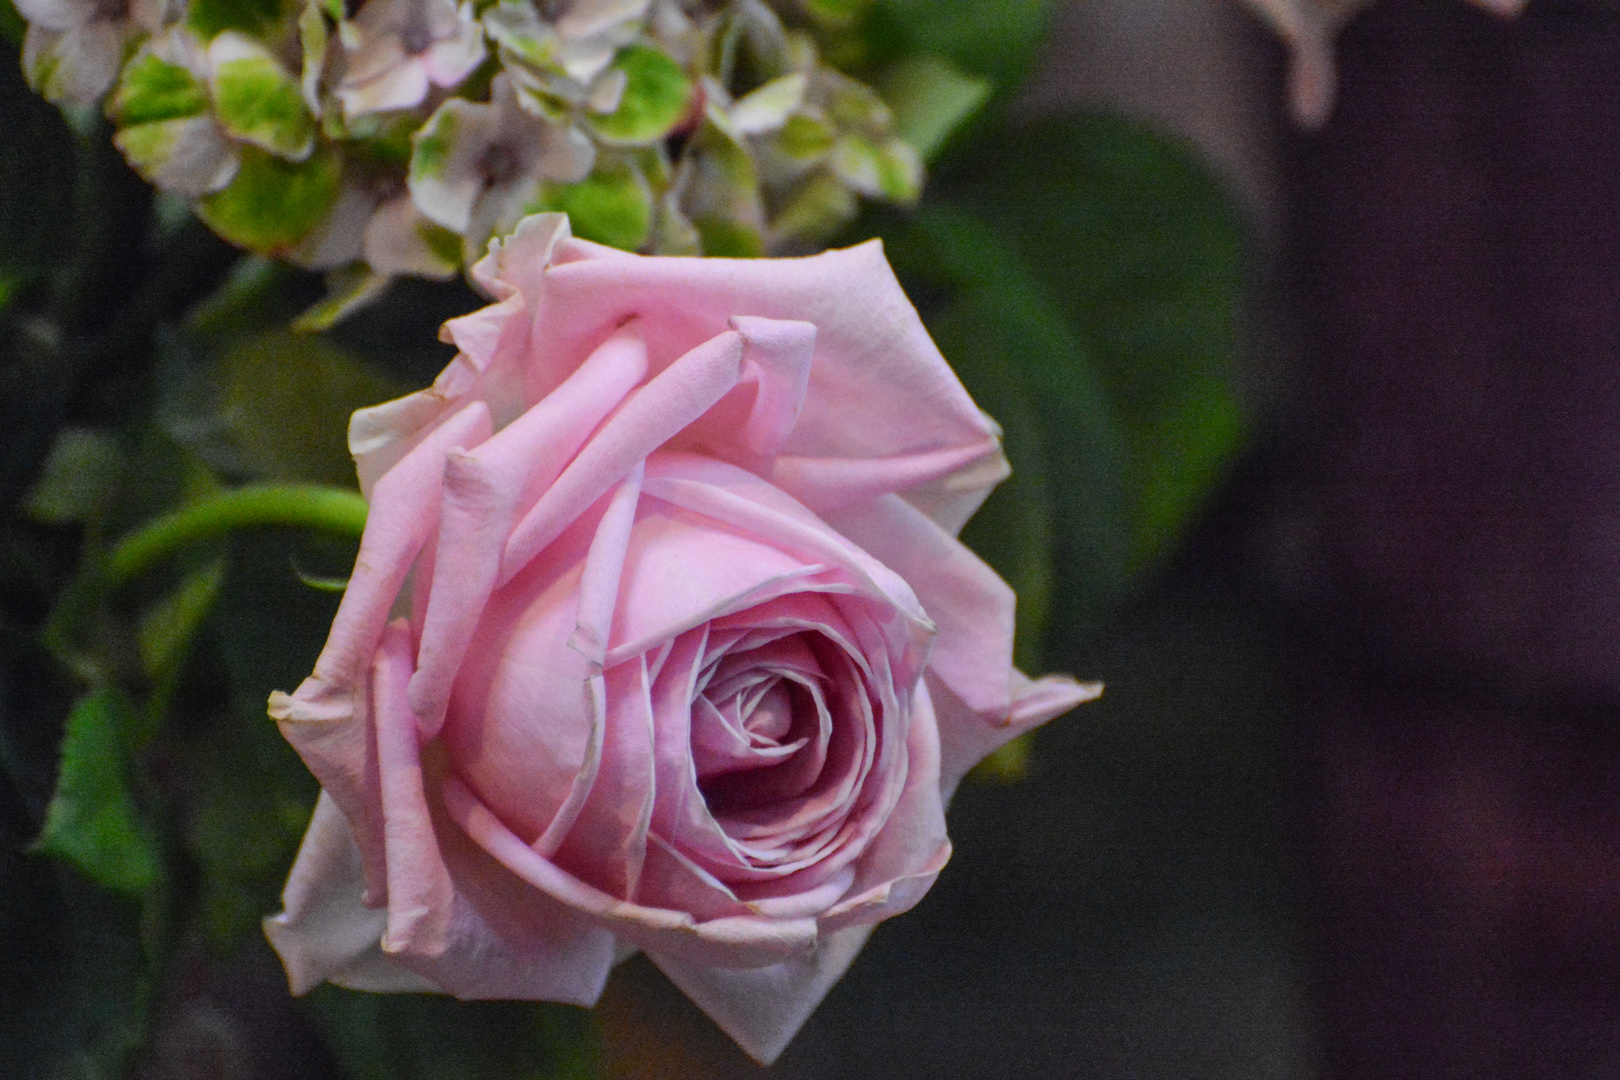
[
  {"x": 967, "y": 738},
  {"x": 972, "y": 608},
  {"x": 324, "y": 932},
  {"x": 419, "y": 888},
  {"x": 324, "y": 719},
  {"x": 671, "y": 400},
  {"x": 763, "y": 1008},
  {"x": 485, "y": 489}
]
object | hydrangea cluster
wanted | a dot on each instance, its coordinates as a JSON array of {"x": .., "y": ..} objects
[{"x": 397, "y": 137}]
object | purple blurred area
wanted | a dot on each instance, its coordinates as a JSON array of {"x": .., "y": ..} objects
[{"x": 1456, "y": 232}]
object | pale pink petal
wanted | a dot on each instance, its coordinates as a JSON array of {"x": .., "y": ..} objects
[
  {"x": 971, "y": 607},
  {"x": 743, "y": 941},
  {"x": 484, "y": 491},
  {"x": 671, "y": 400},
  {"x": 324, "y": 932},
  {"x": 419, "y": 888},
  {"x": 762, "y": 1009},
  {"x": 878, "y": 388},
  {"x": 504, "y": 940},
  {"x": 608, "y": 839},
  {"x": 325, "y": 719}
]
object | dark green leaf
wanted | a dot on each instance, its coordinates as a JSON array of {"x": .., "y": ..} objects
[
  {"x": 94, "y": 820},
  {"x": 420, "y": 1037},
  {"x": 1141, "y": 250},
  {"x": 285, "y": 401},
  {"x": 993, "y": 39},
  {"x": 1058, "y": 529}
]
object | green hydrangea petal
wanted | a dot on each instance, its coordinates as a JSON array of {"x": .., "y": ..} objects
[
  {"x": 273, "y": 204},
  {"x": 657, "y": 94}
]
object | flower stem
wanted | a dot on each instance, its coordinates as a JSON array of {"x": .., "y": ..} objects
[{"x": 313, "y": 506}]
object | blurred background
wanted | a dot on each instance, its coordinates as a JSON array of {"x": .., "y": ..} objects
[{"x": 1317, "y": 466}]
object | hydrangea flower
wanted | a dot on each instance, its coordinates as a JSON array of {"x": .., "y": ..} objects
[
  {"x": 478, "y": 167},
  {"x": 397, "y": 49},
  {"x": 73, "y": 48}
]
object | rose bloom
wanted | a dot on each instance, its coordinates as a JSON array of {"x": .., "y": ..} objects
[{"x": 659, "y": 638}]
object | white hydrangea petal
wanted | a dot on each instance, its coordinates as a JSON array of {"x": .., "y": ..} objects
[
  {"x": 75, "y": 66},
  {"x": 395, "y": 242}
]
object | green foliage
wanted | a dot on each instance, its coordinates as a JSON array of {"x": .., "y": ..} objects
[
  {"x": 1087, "y": 273},
  {"x": 419, "y": 1037},
  {"x": 930, "y": 99},
  {"x": 990, "y": 39},
  {"x": 258, "y": 102},
  {"x": 612, "y": 206},
  {"x": 256, "y": 18},
  {"x": 1142, "y": 251},
  {"x": 273, "y": 204},
  {"x": 151, "y": 89},
  {"x": 95, "y": 821},
  {"x": 284, "y": 406},
  {"x": 656, "y": 95}
]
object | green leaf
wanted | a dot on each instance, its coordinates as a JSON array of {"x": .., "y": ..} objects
[
  {"x": 164, "y": 634},
  {"x": 152, "y": 89},
  {"x": 256, "y": 18},
  {"x": 612, "y": 206},
  {"x": 1141, "y": 248},
  {"x": 729, "y": 239},
  {"x": 991, "y": 39},
  {"x": 257, "y": 100},
  {"x": 657, "y": 95},
  {"x": 78, "y": 478},
  {"x": 1059, "y": 526},
  {"x": 347, "y": 291},
  {"x": 930, "y": 99},
  {"x": 94, "y": 821},
  {"x": 886, "y": 170},
  {"x": 424, "y": 1036},
  {"x": 285, "y": 401},
  {"x": 273, "y": 204}
]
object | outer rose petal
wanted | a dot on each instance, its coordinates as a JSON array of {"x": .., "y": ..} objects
[
  {"x": 763, "y": 1008},
  {"x": 324, "y": 933},
  {"x": 882, "y": 412}
]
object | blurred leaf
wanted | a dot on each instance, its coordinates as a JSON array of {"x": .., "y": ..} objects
[
  {"x": 656, "y": 97},
  {"x": 207, "y": 18},
  {"x": 256, "y": 100},
  {"x": 78, "y": 477},
  {"x": 930, "y": 98},
  {"x": 1057, "y": 530},
  {"x": 165, "y": 629},
  {"x": 37, "y": 171},
  {"x": 613, "y": 206},
  {"x": 991, "y": 39},
  {"x": 1142, "y": 251},
  {"x": 348, "y": 290},
  {"x": 285, "y": 401},
  {"x": 251, "y": 802},
  {"x": 272, "y": 204},
  {"x": 422, "y": 1037},
  {"x": 93, "y": 820}
]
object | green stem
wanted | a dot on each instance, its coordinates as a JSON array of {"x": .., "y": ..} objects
[{"x": 312, "y": 506}]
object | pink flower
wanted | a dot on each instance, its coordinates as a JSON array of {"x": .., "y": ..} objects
[{"x": 659, "y": 638}]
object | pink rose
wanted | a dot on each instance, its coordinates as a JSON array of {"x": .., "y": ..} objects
[{"x": 659, "y": 638}]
